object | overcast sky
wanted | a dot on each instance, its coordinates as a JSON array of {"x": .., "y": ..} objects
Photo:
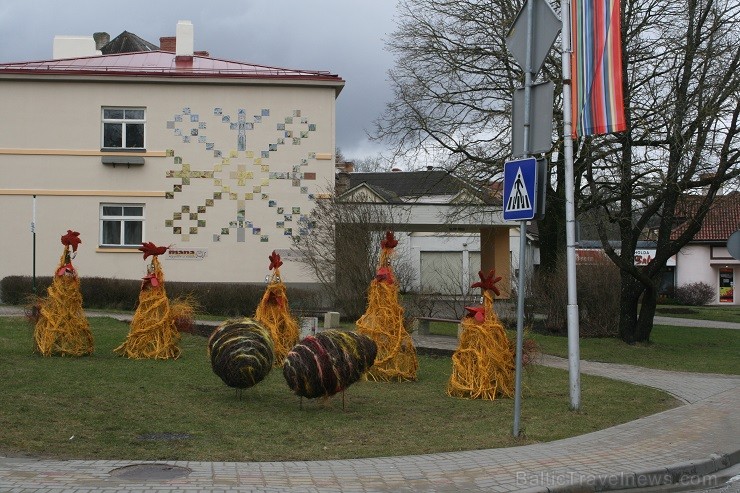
[{"x": 345, "y": 37}]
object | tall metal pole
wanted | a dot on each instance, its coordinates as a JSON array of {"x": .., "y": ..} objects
[
  {"x": 528, "y": 70},
  {"x": 33, "y": 232},
  {"x": 574, "y": 358}
]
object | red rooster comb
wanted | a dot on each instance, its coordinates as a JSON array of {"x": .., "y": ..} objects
[
  {"x": 488, "y": 281},
  {"x": 275, "y": 261},
  {"x": 72, "y": 238},
  {"x": 150, "y": 248},
  {"x": 389, "y": 241}
]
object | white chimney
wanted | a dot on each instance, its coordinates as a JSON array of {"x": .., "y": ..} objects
[
  {"x": 74, "y": 47},
  {"x": 184, "y": 42}
]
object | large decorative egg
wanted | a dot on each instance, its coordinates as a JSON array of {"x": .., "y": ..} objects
[
  {"x": 241, "y": 352},
  {"x": 327, "y": 363}
]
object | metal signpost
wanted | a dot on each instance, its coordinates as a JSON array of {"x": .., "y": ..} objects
[{"x": 520, "y": 203}]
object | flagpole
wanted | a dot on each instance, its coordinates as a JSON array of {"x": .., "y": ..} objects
[{"x": 570, "y": 221}]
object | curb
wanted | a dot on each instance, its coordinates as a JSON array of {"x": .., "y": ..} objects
[{"x": 674, "y": 474}]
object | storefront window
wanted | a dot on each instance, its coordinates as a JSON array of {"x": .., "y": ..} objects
[{"x": 726, "y": 285}]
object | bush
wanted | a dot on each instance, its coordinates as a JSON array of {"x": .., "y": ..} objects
[
  {"x": 16, "y": 290},
  {"x": 597, "y": 289},
  {"x": 215, "y": 298},
  {"x": 695, "y": 294},
  {"x": 101, "y": 293}
]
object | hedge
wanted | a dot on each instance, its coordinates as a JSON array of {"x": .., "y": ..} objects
[{"x": 212, "y": 298}]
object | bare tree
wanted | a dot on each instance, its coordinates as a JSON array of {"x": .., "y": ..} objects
[
  {"x": 446, "y": 286},
  {"x": 372, "y": 164},
  {"x": 682, "y": 86},
  {"x": 342, "y": 252},
  {"x": 454, "y": 81}
]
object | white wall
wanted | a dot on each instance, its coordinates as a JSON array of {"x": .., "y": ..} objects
[
  {"x": 50, "y": 142},
  {"x": 694, "y": 264},
  {"x": 442, "y": 262}
]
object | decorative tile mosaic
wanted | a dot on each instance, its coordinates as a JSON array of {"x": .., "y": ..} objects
[{"x": 229, "y": 178}]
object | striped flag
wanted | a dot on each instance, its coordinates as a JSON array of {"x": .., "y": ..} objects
[{"x": 598, "y": 101}]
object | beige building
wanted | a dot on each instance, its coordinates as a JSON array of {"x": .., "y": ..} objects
[{"x": 222, "y": 160}]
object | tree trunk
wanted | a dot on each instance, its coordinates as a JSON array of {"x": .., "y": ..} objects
[
  {"x": 629, "y": 303},
  {"x": 637, "y": 309},
  {"x": 647, "y": 312},
  {"x": 551, "y": 228},
  {"x": 551, "y": 231}
]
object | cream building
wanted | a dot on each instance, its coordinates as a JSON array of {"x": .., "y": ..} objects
[{"x": 222, "y": 160}]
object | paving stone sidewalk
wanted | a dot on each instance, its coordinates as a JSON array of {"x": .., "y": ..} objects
[{"x": 698, "y": 438}]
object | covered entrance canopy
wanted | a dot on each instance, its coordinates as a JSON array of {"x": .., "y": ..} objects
[{"x": 432, "y": 202}]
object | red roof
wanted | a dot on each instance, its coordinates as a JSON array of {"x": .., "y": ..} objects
[
  {"x": 162, "y": 64},
  {"x": 721, "y": 221}
]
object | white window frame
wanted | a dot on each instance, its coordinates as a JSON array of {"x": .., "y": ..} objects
[
  {"x": 123, "y": 122},
  {"x": 123, "y": 219}
]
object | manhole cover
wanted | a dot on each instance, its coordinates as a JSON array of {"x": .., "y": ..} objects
[
  {"x": 163, "y": 437},
  {"x": 146, "y": 472}
]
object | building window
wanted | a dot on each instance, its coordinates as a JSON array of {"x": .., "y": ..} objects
[
  {"x": 121, "y": 224},
  {"x": 123, "y": 128}
]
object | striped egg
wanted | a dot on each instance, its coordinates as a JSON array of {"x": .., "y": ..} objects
[
  {"x": 241, "y": 352},
  {"x": 327, "y": 363}
]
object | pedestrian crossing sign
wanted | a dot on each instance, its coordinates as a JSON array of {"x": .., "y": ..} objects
[{"x": 520, "y": 189}]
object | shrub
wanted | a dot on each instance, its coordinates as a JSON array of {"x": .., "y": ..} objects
[
  {"x": 598, "y": 299},
  {"x": 695, "y": 294},
  {"x": 597, "y": 289},
  {"x": 222, "y": 299},
  {"x": 17, "y": 290},
  {"x": 102, "y": 293},
  {"x": 215, "y": 298}
]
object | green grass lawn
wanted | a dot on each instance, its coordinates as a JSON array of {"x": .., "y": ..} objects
[
  {"x": 108, "y": 407},
  {"x": 443, "y": 329},
  {"x": 717, "y": 313},
  {"x": 676, "y": 348},
  {"x": 671, "y": 348}
]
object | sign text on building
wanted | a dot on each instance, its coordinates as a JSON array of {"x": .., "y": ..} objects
[{"x": 187, "y": 253}]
